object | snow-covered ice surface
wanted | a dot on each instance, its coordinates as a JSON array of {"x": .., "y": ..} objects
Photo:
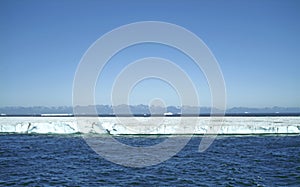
[{"x": 151, "y": 125}]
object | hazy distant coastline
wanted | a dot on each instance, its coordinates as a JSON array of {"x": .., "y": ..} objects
[{"x": 144, "y": 110}]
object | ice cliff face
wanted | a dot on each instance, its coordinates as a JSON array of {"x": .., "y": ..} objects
[
  {"x": 147, "y": 125},
  {"x": 40, "y": 125}
]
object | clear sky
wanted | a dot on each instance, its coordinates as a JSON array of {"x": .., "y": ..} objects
[{"x": 257, "y": 45}]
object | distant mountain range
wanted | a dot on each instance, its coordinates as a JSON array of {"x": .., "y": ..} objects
[{"x": 142, "y": 110}]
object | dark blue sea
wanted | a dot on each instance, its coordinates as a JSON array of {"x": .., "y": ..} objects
[{"x": 66, "y": 160}]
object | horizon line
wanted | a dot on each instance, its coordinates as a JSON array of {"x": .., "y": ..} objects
[{"x": 65, "y": 106}]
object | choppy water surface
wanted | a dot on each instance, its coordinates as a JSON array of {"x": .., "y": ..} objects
[{"x": 230, "y": 161}]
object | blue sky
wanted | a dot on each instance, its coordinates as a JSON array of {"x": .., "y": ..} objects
[{"x": 255, "y": 42}]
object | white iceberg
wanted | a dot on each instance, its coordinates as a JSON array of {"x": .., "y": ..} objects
[{"x": 151, "y": 125}]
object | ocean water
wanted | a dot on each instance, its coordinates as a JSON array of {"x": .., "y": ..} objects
[{"x": 66, "y": 160}]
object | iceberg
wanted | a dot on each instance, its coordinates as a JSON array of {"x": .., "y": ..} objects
[
  {"x": 39, "y": 125},
  {"x": 151, "y": 125}
]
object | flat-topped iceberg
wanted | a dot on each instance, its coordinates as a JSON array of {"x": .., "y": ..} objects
[{"x": 151, "y": 125}]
